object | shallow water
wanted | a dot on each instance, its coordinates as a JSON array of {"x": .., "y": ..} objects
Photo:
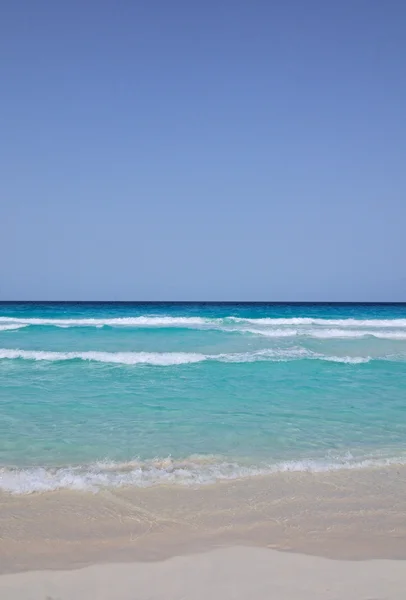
[{"x": 112, "y": 394}]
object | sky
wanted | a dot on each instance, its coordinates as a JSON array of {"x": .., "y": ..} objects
[{"x": 190, "y": 150}]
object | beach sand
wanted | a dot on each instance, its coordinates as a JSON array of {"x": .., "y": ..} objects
[
  {"x": 230, "y": 573},
  {"x": 289, "y": 535}
]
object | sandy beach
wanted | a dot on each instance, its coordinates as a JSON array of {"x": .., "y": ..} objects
[
  {"x": 290, "y": 535},
  {"x": 236, "y": 573}
]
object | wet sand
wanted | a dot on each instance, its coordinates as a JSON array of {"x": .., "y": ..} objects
[{"x": 197, "y": 537}]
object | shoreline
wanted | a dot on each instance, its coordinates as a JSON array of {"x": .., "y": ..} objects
[
  {"x": 191, "y": 471},
  {"x": 346, "y": 515}
]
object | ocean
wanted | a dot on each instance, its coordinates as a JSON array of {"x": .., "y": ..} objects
[{"x": 139, "y": 394}]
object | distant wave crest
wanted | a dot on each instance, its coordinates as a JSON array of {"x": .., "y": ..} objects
[
  {"x": 323, "y": 334},
  {"x": 300, "y": 321},
  {"x": 112, "y": 322},
  {"x": 199, "y": 322}
]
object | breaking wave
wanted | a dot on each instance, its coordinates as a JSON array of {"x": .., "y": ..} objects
[
  {"x": 199, "y": 322},
  {"x": 193, "y": 471},
  {"x": 330, "y": 333},
  {"x": 114, "y": 322},
  {"x": 181, "y": 358},
  {"x": 323, "y": 322},
  {"x": 12, "y": 326}
]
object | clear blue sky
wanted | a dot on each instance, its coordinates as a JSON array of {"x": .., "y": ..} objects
[{"x": 228, "y": 149}]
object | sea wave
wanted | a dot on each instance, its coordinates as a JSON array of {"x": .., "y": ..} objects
[
  {"x": 328, "y": 333},
  {"x": 195, "y": 470},
  {"x": 124, "y": 358},
  {"x": 112, "y": 322},
  {"x": 323, "y": 322},
  {"x": 201, "y": 322},
  {"x": 12, "y": 326},
  {"x": 182, "y": 358},
  {"x": 272, "y": 328}
]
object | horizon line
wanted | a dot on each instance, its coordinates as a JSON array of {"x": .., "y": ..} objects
[{"x": 342, "y": 302}]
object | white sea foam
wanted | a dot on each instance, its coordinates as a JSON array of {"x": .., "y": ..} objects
[
  {"x": 273, "y": 333},
  {"x": 181, "y": 358},
  {"x": 323, "y": 322},
  {"x": 192, "y": 471},
  {"x": 12, "y": 326},
  {"x": 124, "y": 358},
  {"x": 321, "y": 333},
  {"x": 167, "y": 321},
  {"x": 112, "y": 322},
  {"x": 351, "y": 360}
]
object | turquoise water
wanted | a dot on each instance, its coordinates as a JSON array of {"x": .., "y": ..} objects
[{"x": 137, "y": 394}]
